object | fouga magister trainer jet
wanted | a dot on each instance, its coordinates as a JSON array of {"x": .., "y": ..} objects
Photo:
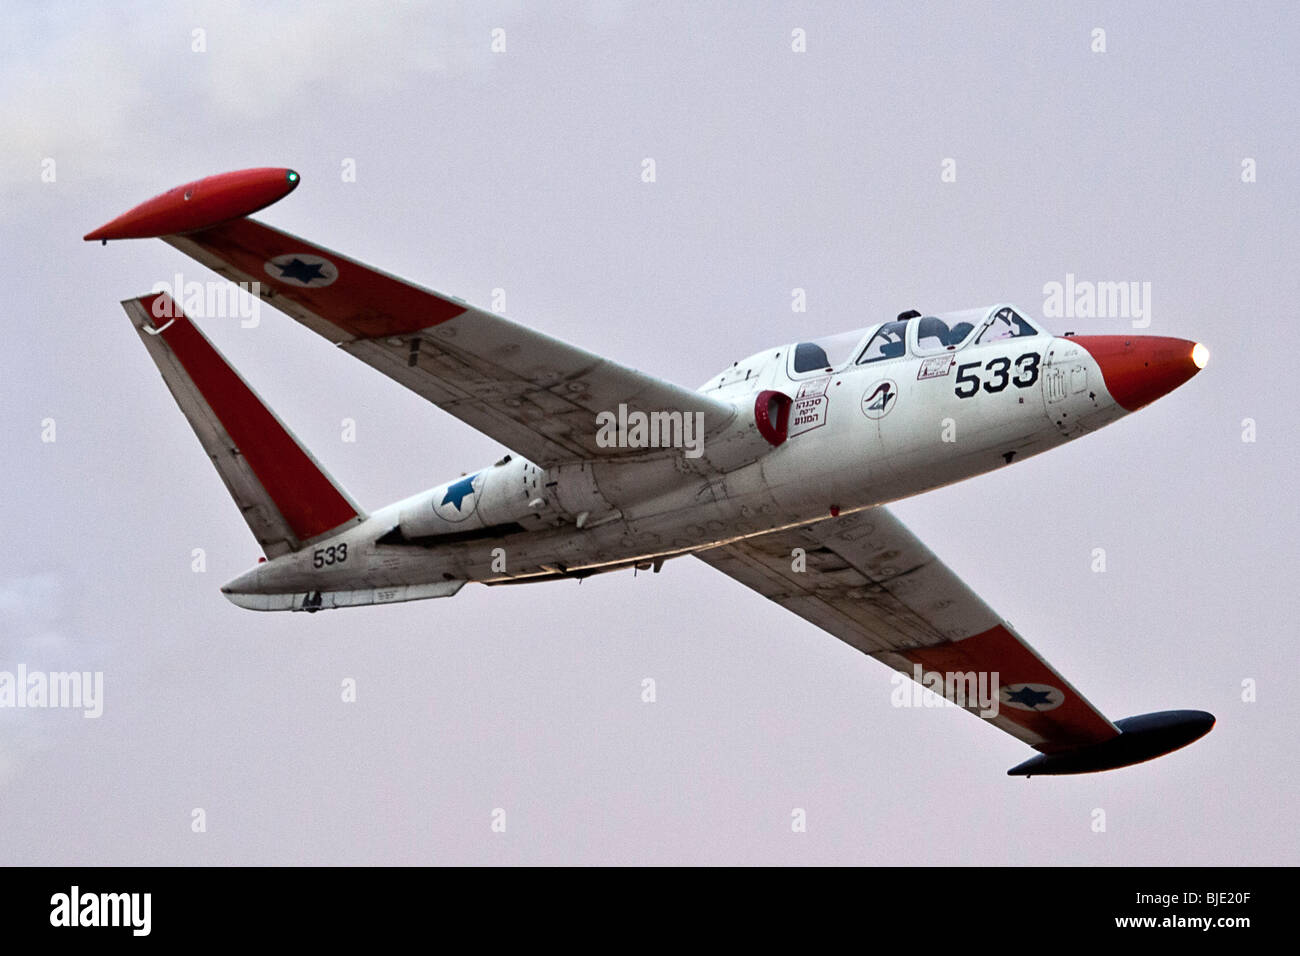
[{"x": 776, "y": 472}]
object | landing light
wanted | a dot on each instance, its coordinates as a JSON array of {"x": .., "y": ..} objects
[{"x": 1200, "y": 355}]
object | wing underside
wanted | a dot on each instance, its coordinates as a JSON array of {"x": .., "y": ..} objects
[
  {"x": 535, "y": 394},
  {"x": 870, "y": 582}
]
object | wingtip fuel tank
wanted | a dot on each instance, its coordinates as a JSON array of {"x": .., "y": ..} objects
[{"x": 203, "y": 203}]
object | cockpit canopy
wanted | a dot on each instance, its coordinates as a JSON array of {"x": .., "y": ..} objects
[
  {"x": 827, "y": 353},
  {"x": 918, "y": 334}
]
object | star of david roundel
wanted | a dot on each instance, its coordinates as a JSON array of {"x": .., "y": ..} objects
[
  {"x": 458, "y": 499},
  {"x": 302, "y": 269},
  {"x": 1035, "y": 697}
]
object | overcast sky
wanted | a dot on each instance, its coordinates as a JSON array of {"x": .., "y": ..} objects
[{"x": 521, "y": 170}]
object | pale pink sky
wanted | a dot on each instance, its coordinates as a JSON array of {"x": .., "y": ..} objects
[{"x": 521, "y": 171}]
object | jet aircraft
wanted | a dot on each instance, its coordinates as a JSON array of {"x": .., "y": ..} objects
[{"x": 776, "y": 472}]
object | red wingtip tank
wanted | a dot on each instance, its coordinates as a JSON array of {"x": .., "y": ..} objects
[{"x": 201, "y": 204}]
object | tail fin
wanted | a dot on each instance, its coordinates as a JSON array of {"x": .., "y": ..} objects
[{"x": 286, "y": 497}]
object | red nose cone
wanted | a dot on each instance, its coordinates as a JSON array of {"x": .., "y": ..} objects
[
  {"x": 201, "y": 204},
  {"x": 1138, "y": 369}
]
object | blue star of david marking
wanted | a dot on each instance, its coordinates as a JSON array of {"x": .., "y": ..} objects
[
  {"x": 458, "y": 491},
  {"x": 301, "y": 271},
  {"x": 1030, "y": 698}
]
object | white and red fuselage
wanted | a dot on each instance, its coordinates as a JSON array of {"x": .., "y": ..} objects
[{"x": 814, "y": 435}]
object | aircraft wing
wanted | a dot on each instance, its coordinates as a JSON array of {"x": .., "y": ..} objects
[
  {"x": 871, "y": 583},
  {"x": 536, "y": 395}
]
